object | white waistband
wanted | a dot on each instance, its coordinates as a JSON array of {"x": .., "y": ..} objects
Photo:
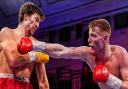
[{"x": 19, "y": 78}]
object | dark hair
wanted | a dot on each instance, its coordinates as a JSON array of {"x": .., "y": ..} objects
[
  {"x": 102, "y": 24},
  {"x": 29, "y": 8}
]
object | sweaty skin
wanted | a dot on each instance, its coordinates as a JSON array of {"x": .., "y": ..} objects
[{"x": 11, "y": 61}]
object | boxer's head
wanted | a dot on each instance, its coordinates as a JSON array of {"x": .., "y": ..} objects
[
  {"x": 104, "y": 26},
  {"x": 29, "y": 8},
  {"x": 99, "y": 33},
  {"x": 31, "y": 15}
]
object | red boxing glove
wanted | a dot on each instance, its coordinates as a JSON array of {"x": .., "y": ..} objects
[
  {"x": 100, "y": 73},
  {"x": 24, "y": 45}
]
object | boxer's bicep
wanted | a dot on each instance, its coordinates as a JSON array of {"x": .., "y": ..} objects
[
  {"x": 124, "y": 78},
  {"x": 124, "y": 71}
]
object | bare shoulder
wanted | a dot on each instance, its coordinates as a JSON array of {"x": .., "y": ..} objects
[
  {"x": 5, "y": 36},
  {"x": 122, "y": 57},
  {"x": 5, "y": 32},
  {"x": 121, "y": 54},
  {"x": 5, "y": 29},
  {"x": 119, "y": 49}
]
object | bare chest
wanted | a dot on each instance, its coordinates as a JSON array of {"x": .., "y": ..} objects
[{"x": 112, "y": 64}]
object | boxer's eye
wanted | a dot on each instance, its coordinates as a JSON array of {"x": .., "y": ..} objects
[{"x": 37, "y": 19}]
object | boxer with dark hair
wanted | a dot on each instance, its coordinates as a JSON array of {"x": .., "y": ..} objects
[
  {"x": 16, "y": 67},
  {"x": 109, "y": 63}
]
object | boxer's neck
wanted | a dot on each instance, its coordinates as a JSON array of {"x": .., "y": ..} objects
[
  {"x": 105, "y": 54},
  {"x": 20, "y": 30}
]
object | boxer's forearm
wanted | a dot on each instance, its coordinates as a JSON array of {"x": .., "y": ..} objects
[
  {"x": 42, "y": 76},
  {"x": 59, "y": 51},
  {"x": 44, "y": 83}
]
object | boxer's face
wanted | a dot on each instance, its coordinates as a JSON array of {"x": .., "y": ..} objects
[
  {"x": 32, "y": 22},
  {"x": 96, "y": 39}
]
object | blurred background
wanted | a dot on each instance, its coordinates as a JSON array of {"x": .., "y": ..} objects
[{"x": 67, "y": 23}]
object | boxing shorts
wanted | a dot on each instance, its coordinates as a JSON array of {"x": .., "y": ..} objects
[{"x": 10, "y": 81}]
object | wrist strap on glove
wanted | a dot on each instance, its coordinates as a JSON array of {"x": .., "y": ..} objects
[
  {"x": 32, "y": 56},
  {"x": 114, "y": 82},
  {"x": 38, "y": 45}
]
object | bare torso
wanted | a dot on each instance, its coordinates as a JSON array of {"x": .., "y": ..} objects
[
  {"x": 112, "y": 64},
  {"x": 24, "y": 70}
]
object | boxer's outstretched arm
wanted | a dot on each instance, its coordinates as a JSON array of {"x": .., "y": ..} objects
[
  {"x": 27, "y": 44},
  {"x": 60, "y": 51}
]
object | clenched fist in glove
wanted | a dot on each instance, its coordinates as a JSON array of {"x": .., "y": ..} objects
[
  {"x": 102, "y": 74},
  {"x": 38, "y": 57},
  {"x": 27, "y": 44}
]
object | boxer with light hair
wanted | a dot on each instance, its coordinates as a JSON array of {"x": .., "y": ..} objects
[
  {"x": 16, "y": 67},
  {"x": 109, "y": 63}
]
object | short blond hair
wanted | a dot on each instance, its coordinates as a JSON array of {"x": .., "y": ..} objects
[{"x": 102, "y": 24}]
